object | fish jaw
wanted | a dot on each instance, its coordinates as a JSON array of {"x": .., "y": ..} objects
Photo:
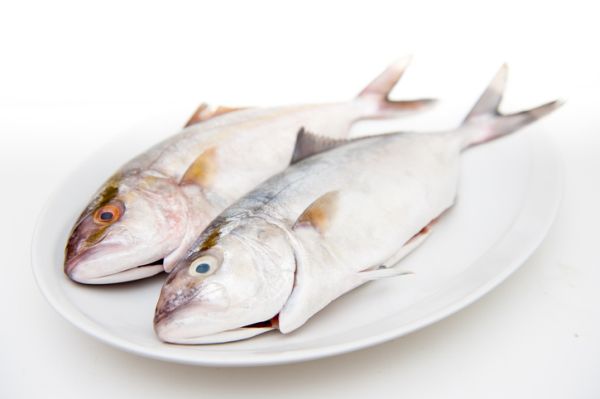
[
  {"x": 188, "y": 328},
  {"x": 237, "y": 334},
  {"x": 251, "y": 281},
  {"x": 99, "y": 267},
  {"x": 171, "y": 334},
  {"x": 206, "y": 315},
  {"x": 135, "y": 273}
]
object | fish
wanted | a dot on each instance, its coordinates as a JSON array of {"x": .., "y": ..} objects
[
  {"x": 345, "y": 212},
  {"x": 144, "y": 217}
]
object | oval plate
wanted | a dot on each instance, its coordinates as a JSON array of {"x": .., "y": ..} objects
[{"x": 509, "y": 193}]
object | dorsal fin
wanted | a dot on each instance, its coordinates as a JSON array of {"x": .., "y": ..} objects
[
  {"x": 205, "y": 112},
  {"x": 319, "y": 214},
  {"x": 202, "y": 170},
  {"x": 308, "y": 144}
]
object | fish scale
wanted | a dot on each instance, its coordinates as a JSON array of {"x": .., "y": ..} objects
[
  {"x": 165, "y": 197},
  {"x": 344, "y": 213}
]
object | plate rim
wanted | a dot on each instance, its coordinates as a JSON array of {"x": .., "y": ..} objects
[{"x": 544, "y": 153}]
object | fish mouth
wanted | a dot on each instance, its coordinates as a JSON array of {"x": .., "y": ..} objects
[
  {"x": 79, "y": 274},
  {"x": 170, "y": 333}
]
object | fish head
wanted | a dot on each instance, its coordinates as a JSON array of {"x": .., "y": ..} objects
[
  {"x": 230, "y": 286},
  {"x": 130, "y": 225}
]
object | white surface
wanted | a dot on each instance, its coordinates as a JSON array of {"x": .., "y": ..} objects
[
  {"x": 73, "y": 76},
  {"x": 508, "y": 196}
]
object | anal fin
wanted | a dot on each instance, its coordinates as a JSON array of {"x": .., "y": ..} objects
[
  {"x": 390, "y": 267},
  {"x": 384, "y": 272}
]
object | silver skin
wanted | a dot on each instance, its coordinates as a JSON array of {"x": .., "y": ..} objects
[
  {"x": 255, "y": 260},
  {"x": 160, "y": 215},
  {"x": 342, "y": 217}
]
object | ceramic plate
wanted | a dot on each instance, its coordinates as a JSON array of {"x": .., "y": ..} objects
[{"x": 509, "y": 193}]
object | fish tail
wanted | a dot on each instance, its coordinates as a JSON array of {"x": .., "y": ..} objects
[
  {"x": 379, "y": 89},
  {"x": 485, "y": 122}
]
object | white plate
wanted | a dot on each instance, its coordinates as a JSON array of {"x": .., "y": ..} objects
[{"x": 509, "y": 193}]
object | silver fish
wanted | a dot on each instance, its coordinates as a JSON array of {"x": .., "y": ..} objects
[
  {"x": 145, "y": 216},
  {"x": 324, "y": 226}
]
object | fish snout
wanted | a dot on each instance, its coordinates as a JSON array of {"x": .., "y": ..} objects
[
  {"x": 184, "y": 313},
  {"x": 76, "y": 257},
  {"x": 169, "y": 302},
  {"x": 79, "y": 266},
  {"x": 165, "y": 328},
  {"x": 82, "y": 240}
]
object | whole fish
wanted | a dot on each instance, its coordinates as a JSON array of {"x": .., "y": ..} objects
[
  {"x": 148, "y": 213},
  {"x": 324, "y": 226}
]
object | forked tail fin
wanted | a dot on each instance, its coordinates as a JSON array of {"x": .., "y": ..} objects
[
  {"x": 485, "y": 122},
  {"x": 379, "y": 89}
]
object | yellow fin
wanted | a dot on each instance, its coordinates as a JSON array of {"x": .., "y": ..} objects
[
  {"x": 205, "y": 112},
  {"x": 319, "y": 214},
  {"x": 202, "y": 170}
]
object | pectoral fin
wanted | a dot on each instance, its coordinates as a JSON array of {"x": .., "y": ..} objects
[
  {"x": 390, "y": 267},
  {"x": 202, "y": 171},
  {"x": 205, "y": 112},
  {"x": 319, "y": 214}
]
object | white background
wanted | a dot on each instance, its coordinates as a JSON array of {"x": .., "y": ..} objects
[{"x": 73, "y": 75}]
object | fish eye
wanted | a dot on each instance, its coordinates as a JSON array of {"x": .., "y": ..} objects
[
  {"x": 203, "y": 266},
  {"x": 107, "y": 214}
]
